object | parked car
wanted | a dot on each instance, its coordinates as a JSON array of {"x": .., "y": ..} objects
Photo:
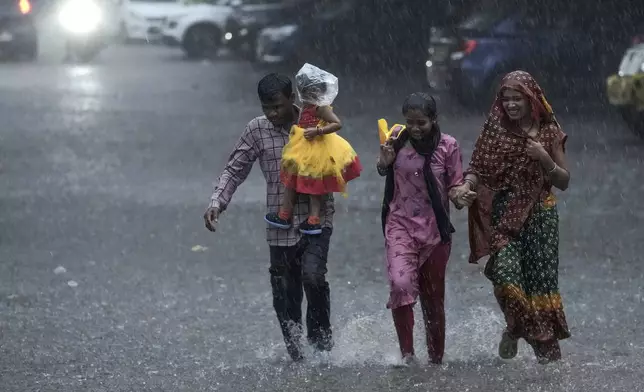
[
  {"x": 277, "y": 44},
  {"x": 285, "y": 39},
  {"x": 250, "y": 17},
  {"x": 18, "y": 34},
  {"x": 360, "y": 32},
  {"x": 143, "y": 20},
  {"x": 565, "y": 45},
  {"x": 625, "y": 89},
  {"x": 199, "y": 30}
]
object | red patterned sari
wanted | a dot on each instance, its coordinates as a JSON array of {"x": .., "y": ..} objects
[{"x": 515, "y": 221}]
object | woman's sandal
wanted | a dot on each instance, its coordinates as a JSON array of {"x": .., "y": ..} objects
[{"x": 508, "y": 347}]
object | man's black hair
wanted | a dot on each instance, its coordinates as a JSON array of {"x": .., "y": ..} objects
[{"x": 273, "y": 85}]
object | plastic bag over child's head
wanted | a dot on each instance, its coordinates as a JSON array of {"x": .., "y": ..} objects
[{"x": 316, "y": 86}]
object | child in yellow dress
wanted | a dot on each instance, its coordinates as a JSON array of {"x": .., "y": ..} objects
[{"x": 316, "y": 161}]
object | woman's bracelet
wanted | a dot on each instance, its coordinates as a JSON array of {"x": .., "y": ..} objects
[
  {"x": 472, "y": 184},
  {"x": 553, "y": 168}
]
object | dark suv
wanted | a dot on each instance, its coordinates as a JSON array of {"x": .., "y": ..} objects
[
  {"x": 18, "y": 35},
  {"x": 569, "y": 46}
]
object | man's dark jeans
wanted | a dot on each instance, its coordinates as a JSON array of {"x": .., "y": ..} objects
[{"x": 296, "y": 270}]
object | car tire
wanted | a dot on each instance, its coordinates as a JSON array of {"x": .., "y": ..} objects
[
  {"x": 31, "y": 53},
  {"x": 634, "y": 120},
  {"x": 28, "y": 53},
  {"x": 87, "y": 55},
  {"x": 202, "y": 41}
]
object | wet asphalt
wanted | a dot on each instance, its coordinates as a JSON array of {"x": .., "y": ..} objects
[{"x": 110, "y": 282}]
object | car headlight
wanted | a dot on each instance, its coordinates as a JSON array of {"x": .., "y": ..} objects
[
  {"x": 80, "y": 16},
  {"x": 281, "y": 32}
]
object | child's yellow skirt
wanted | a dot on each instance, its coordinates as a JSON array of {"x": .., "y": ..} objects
[{"x": 319, "y": 166}]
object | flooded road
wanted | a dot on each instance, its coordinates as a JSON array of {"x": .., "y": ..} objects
[{"x": 110, "y": 282}]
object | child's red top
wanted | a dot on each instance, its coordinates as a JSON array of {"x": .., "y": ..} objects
[{"x": 309, "y": 117}]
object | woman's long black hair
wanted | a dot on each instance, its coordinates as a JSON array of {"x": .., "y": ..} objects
[{"x": 426, "y": 104}]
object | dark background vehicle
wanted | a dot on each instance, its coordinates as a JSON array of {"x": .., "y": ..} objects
[
  {"x": 18, "y": 34},
  {"x": 564, "y": 44},
  {"x": 250, "y": 17},
  {"x": 368, "y": 33}
]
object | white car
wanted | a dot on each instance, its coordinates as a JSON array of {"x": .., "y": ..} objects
[
  {"x": 199, "y": 28},
  {"x": 144, "y": 19}
]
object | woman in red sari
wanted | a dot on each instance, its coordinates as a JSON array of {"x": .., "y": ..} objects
[{"x": 513, "y": 217}]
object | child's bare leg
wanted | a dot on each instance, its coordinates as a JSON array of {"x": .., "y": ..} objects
[
  {"x": 315, "y": 205},
  {"x": 282, "y": 219},
  {"x": 312, "y": 225},
  {"x": 287, "y": 203}
]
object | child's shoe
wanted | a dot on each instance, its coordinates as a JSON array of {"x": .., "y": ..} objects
[
  {"x": 311, "y": 227},
  {"x": 275, "y": 220}
]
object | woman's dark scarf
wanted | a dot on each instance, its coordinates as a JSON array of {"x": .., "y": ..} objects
[{"x": 426, "y": 148}]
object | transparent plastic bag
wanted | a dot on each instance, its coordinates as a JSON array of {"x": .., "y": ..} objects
[{"x": 316, "y": 86}]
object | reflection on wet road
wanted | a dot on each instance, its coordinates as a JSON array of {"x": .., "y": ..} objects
[{"x": 107, "y": 169}]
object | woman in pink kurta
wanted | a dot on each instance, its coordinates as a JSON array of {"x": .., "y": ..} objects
[{"x": 422, "y": 165}]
